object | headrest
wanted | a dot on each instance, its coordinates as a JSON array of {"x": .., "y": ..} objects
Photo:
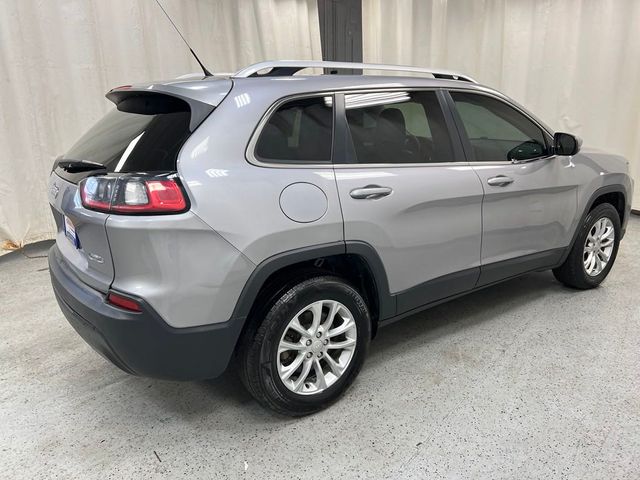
[{"x": 394, "y": 116}]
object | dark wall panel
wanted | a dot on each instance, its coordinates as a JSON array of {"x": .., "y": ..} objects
[{"x": 341, "y": 30}]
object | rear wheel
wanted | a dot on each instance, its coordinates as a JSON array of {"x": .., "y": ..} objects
[
  {"x": 309, "y": 347},
  {"x": 594, "y": 250}
]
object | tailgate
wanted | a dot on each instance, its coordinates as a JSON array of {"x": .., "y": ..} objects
[{"x": 89, "y": 255}]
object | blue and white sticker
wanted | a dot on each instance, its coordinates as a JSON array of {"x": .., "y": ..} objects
[{"x": 70, "y": 231}]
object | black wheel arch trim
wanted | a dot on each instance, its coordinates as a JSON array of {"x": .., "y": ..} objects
[
  {"x": 613, "y": 188},
  {"x": 386, "y": 302},
  {"x": 273, "y": 264}
]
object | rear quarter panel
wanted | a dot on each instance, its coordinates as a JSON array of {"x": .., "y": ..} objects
[
  {"x": 240, "y": 200},
  {"x": 188, "y": 273}
]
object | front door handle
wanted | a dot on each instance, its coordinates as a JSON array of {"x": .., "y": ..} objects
[
  {"x": 370, "y": 192},
  {"x": 500, "y": 181}
]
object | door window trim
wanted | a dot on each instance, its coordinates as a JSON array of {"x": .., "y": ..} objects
[
  {"x": 455, "y": 127},
  {"x": 464, "y": 139},
  {"x": 341, "y": 136}
]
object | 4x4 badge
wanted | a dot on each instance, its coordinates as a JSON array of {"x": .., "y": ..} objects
[{"x": 55, "y": 190}]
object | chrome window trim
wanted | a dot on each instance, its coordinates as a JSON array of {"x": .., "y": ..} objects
[
  {"x": 293, "y": 164},
  {"x": 514, "y": 162},
  {"x": 251, "y": 146},
  {"x": 342, "y": 166}
]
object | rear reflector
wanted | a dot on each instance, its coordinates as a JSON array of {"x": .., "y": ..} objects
[
  {"x": 133, "y": 194},
  {"x": 123, "y": 302}
]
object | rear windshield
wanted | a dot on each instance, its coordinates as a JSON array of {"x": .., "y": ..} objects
[{"x": 143, "y": 134}]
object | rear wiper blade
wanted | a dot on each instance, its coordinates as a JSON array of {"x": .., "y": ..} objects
[{"x": 72, "y": 166}]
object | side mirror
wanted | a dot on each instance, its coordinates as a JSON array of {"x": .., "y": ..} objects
[
  {"x": 566, "y": 144},
  {"x": 525, "y": 151}
]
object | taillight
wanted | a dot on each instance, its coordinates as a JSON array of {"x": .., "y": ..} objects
[
  {"x": 123, "y": 302},
  {"x": 131, "y": 195},
  {"x": 96, "y": 192}
]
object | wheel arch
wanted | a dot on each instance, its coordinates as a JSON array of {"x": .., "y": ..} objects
[
  {"x": 615, "y": 197},
  {"x": 606, "y": 194},
  {"x": 357, "y": 262}
]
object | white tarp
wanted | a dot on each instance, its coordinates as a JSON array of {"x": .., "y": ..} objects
[
  {"x": 574, "y": 63},
  {"x": 59, "y": 58}
]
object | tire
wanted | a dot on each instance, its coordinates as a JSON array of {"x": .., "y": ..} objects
[
  {"x": 260, "y": 362},
  {"x": 573, "y": 272}
]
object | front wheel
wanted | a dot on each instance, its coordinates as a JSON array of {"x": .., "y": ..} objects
[
  {"x": 594, "y": 250},
  {"x": 309, "y": 347}
]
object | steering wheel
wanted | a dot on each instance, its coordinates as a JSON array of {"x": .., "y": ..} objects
[{"x": 412, "y": 146}]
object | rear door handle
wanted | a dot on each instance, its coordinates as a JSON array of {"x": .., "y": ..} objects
[
  {"x": 370, "y": 192},
  {"x": 500, "y": 181}
]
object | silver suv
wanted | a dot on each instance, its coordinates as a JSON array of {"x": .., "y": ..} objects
[{"x": 279, "y": 219}]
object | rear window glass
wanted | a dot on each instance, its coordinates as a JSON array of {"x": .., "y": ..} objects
[
  {"x": 143, "y": 134},
  {"x": 299, "y": 131}
]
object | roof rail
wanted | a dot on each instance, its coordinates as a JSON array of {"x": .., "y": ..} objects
[
  {"x": 284, "y": 68},
  {"x": 187, "y": 76}
]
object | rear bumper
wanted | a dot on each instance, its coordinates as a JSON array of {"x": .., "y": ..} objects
[{"x": 142, "y": 343}]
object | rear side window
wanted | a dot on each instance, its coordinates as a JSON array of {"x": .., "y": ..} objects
[
  {"x": 497, "y": 131},
  {"x": 299, "y": 131},
  {"x": 143, "y": 134},
  {"x": 398, "y": 127}
]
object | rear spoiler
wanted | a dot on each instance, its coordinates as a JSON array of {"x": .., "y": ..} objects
[{"x": 178, "y": 95}]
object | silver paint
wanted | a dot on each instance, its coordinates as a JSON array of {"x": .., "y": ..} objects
[
  {"x": 429, "y": 226},
  {"x": 64, "y": 199},
  {"x": 188, "y": 273},
  {"x": 531, "y": 214},
  {"x": 192, "y": 267},
  {"x": 303, "y": 202}
]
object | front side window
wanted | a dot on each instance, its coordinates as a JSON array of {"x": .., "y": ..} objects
[
  {"x": 497, "y": 131},
  {"x": 299, "y": 131},
  {"x": 398, "y": 127}
]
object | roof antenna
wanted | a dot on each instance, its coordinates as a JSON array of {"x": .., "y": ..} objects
[{"x": 206, "y": 72}]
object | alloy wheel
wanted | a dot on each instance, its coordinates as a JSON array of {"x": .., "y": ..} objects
[
  {"x": 316, "y": 347},
  {"x": 598, "y": 246}
]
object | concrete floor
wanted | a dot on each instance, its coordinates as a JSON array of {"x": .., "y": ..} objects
[{"x": 523, "y": 380}]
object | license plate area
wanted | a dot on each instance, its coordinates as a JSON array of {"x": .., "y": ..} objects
[{"x": 70, "y": 232}]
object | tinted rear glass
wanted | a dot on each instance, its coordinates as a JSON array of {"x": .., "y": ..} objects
[
  {"x": 143, "y": 134},
  {"x": 299, "y": 131}
]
